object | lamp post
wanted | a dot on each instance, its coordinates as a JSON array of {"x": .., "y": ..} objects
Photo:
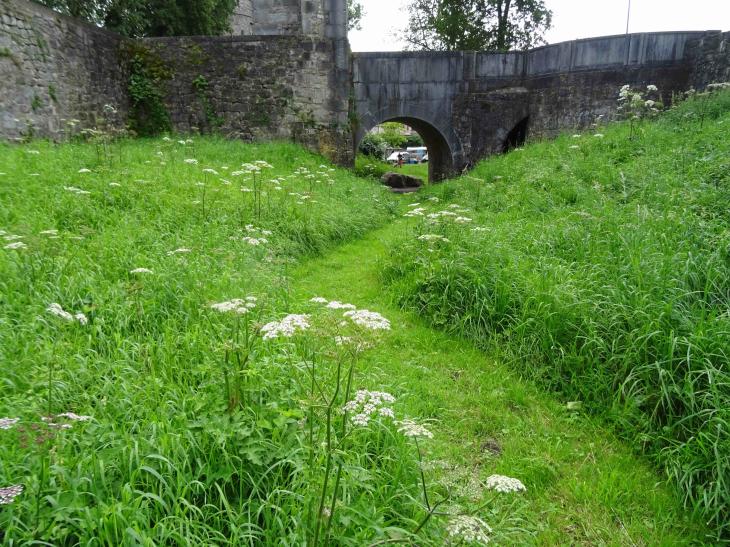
[{"x": 628, "y": 17}]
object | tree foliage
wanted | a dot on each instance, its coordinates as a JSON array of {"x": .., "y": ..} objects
[
  {"x": 495, "y": 25},
  {"x": 152, "y": 17},
  {"x": 355, "y": 14}
]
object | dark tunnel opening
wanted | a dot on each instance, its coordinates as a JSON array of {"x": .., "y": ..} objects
[{"x": 517, "y": 136}]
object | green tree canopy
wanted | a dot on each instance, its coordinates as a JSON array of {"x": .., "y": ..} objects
[
  {"x": 152, "y": 17},
  {"x": 494, "y": 25},
  {"x": 355, "y": 13}
]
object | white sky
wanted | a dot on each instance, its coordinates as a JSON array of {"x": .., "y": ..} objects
[{"x": 571, "y": 19}]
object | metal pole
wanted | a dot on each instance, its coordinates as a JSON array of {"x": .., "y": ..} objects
[{"x": 628, "y": 17}]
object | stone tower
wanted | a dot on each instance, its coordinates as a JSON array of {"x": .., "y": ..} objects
[{"x": 322, "y": 18}]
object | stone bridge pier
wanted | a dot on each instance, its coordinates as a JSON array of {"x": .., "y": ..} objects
[{"x": 468, "y": 105}]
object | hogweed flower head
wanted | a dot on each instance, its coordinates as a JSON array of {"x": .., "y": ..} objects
[
  {"x": 368, "y": 319},
  {"x": 432, "y": 237},
  {"x": 319, "y": 300},
  {"x": 335, "y": 305},
  {"x": 469, "y": 529},
  {"x": 9, "y": 493},
  {"x": 254, "y": 241},
  {"x": 287, "y": 327},
  {"x": 367, "y": 404},
  {"x": 58, "y": 311},
  {"x": 8, "y": 423},
  {"x": 16, "y": 246},
  {"x": 73, "y": 417},
  {"x": 181, "y": 250},
  {"x": 409, "y": 428},
  {"x": 237, "y": 305},
  {"x": 140, "y": 271},
  {"x": 501, "y": 483}
]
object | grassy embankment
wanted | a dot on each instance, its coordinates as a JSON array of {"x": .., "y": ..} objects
[
  {"x": 200, "y": 431},
  {"x": 598, "y": 266}
]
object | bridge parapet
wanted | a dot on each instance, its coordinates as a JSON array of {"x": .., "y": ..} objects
[{"x": 479, "y": 101}]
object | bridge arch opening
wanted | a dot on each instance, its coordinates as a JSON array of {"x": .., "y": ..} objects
[
  {"x": 440, "y": 155},
  {"x": 517, "y": 136}
]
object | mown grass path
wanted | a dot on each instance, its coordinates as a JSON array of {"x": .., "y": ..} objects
[{"x": 584, "y": 486}]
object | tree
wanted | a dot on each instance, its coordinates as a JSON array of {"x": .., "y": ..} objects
[
  {"x": 494, "y": 25},
  {"x": 355, "y": 13},
  {"x": 152, "y": 17}
]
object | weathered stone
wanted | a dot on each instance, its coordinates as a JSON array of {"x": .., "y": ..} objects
[
  {"x": 467, "y": 105},
  {"x": 398, "y": 180},
  {"x": 288, "y": 74}
]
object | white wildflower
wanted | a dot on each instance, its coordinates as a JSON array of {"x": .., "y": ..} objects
[
  {"x": 409, "y": 428},
  {"x": 210, "y": 171},
  {"x": 367, "y": 404},
  {"x": 599, "y": 135},
  {"x": 58, "y": 311},
  {"x": 650, "y": 103},
  {"x": 84, "y": 170},
  {"x": 576, "y": 136},
  {"x": 191, "y": 161},
  {"x": 417, "y": 212},
  {"x": 287, "y": 327},
  {"x": 500, "y": 483},
  {"x": 652, "y": 88},
  {"x": 140, "y": 271},
  {"x": 8, "y": 423},
  {"x": 73, "y": 417},
  {"x": 319, "y": 300},
  {"x": 368, "y": 319},
  {"x": 469, "y": 529},
  {"x": 237, "y": 305},
  {"x": 255, "y": 241},
  {"x": 9, "y": 493},
  {"x": 432, "y": 237},
  {"x": 462, "y": 220},
  {"x": 181, "y": 250},
  {"x": 77, "y": 191},
  {"x": 335, "y": 305},
  {"x": 575, "y": 147},
  {"x": 15, "y": 246},
  {"x": 49, "y": 233}
]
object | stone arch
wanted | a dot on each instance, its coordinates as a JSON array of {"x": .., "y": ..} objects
[
  {"x": 517, "y": 135},
  {"x": 446, "y": 156}
]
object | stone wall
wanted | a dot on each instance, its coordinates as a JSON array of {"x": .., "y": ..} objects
[
  {"x": 54, "y": 69},
  {"x": 258, "y": 88},
  {"x": 711, "y": 59}
]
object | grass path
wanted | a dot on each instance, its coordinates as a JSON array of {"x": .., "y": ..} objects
[{"x": 584, "y": 486}]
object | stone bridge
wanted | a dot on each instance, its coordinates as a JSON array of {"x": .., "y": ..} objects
[
  {"x": 468, "y": 105},
  {"x": 286, "y": 72}
]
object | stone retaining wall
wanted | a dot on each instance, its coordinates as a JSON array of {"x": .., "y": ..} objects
[{"x": 54, "y": 69}]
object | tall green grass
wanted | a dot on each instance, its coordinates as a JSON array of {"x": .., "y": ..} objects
[
  {"x": 599, "y": 266},
  {"x": 200, "y": 432}
]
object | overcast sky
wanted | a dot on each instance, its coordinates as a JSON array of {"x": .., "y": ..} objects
[{"x": 571, "y": 19}]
